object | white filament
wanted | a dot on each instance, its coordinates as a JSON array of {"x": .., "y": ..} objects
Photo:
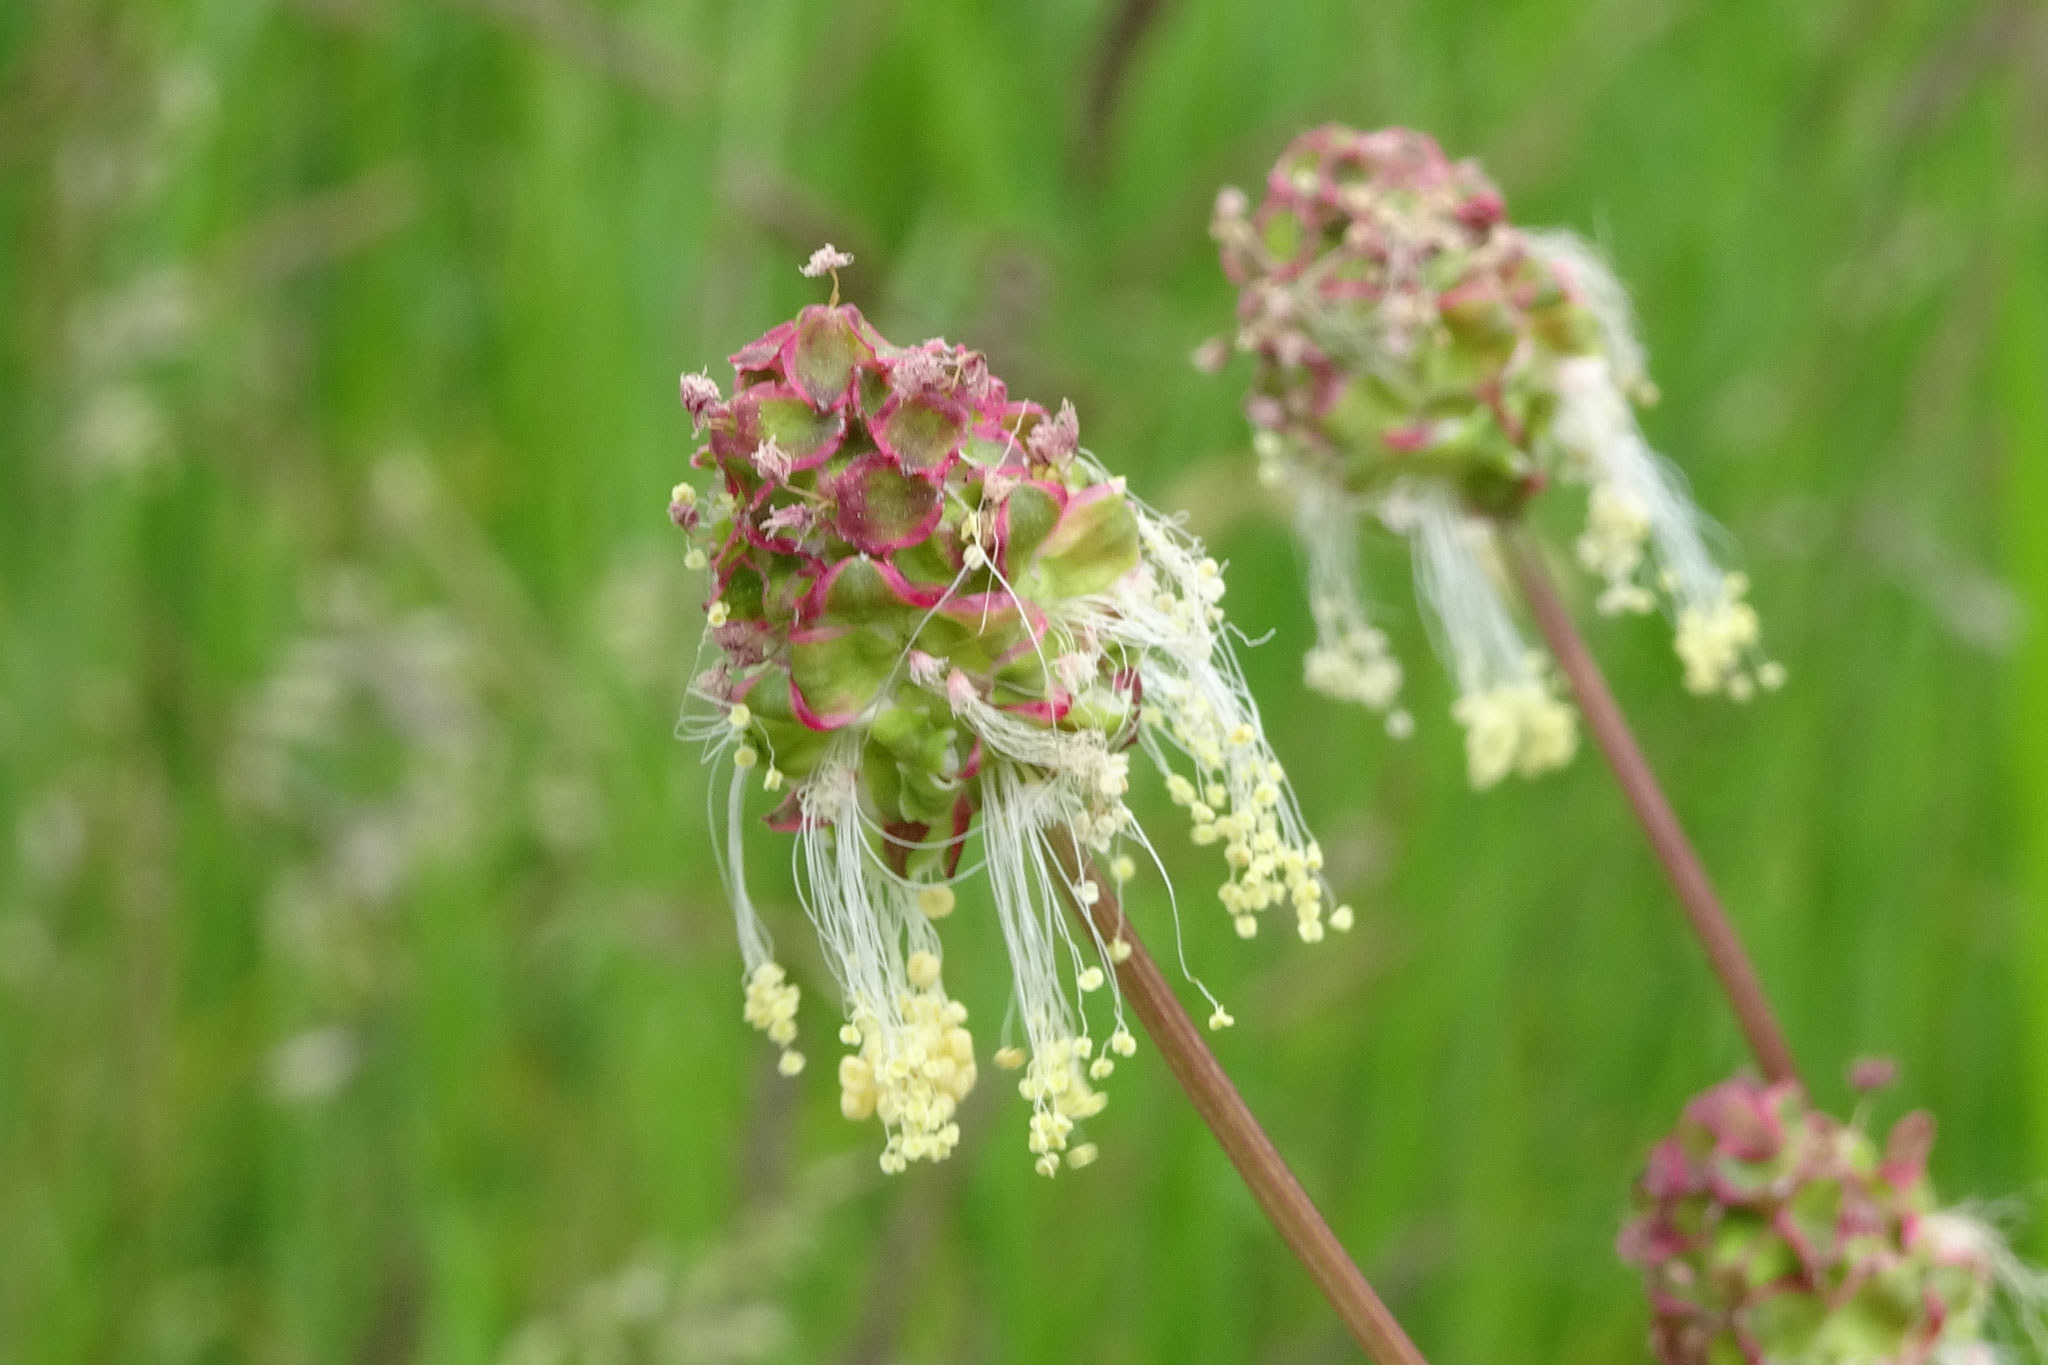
[
  {"x": 1351, "y": 660},
  {"x": 1512, "y": 721},
  {"x": 756, "y": 947},
  {"x": 1013, "y": 813},
  {"x": 1603, "y": 294},
  {"x": 1471, "y": 627}
]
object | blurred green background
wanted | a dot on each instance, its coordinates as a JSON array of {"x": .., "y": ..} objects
[{"x": 365, "y": 992}]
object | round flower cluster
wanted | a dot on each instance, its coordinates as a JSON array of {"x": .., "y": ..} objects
[
  {"x": 1768, "y": 1231},
  {"x": 934, "y": 617},
  {"x": 1421, "y": 358}
]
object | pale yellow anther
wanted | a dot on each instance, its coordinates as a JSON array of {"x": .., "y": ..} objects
[
  {"x": 1048, "y": 1165},
  {"x": 772, "y": 779},
  {"x": 850, "y": 1036},
  {"x": 1217, "y": 794},
  {"x": 1100, "y": 1068},
  {"x": 912, "y": 1070},
  {"x": 694, "y": 558},
  {"x": 1082, "y": 1155},
  {"x": 1122, "y": 868},
  {"x": 790, "y": 1063},
  {"x": 739, "y": 717},
  {"x": 1341, "y": 919},
  {"x": 1119, "y": 950},
  {"x": 1247, "y": 926},
  {"x": 718, "y": 613},
  {"x": 684, "y": 494},
  {"x": 1009, "y": 1058},
  {"x": 1122, "y": 1043},
  {"x": 936, "y": 901},
  {"x": 923, "y": 969},
  {"x": 1243, "y": 735},
  {"x": 746, "y": 756},
  {"x": 1220, "y": 1020},
  {"x": 771, "y": 1003},
  {"x": 1090, "y": 979}
]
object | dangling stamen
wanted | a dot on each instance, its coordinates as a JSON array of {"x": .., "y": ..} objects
[
  {"x": 916, "y": 1059},
  {"x": 1015, "y": 814},
  {"x": 1512, "y": 720},
  {"x": 1640, "y": 515},
  {"x": 771, "y": 998},
  {"x": 1351, "y": 660}
]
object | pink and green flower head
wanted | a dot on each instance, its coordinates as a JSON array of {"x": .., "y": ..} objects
[
  {"x": 1768, "y": 1231},
  {"x": 1421, "y": 359},
  {"x": 935, "y": 620}
]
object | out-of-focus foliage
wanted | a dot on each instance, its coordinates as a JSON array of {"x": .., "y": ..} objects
[{"x": 365, "y": 990}]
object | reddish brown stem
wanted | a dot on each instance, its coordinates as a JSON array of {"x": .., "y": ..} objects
[
  {"x": 1146, "y": 991},
  {"x": 1667, "y": 838}
]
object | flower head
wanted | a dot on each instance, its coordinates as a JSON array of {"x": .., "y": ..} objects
[
  {"x": 1767, "y": 1230},
  {"x": 1420, "y": 357},
  {"x": 935, "y": 617}
]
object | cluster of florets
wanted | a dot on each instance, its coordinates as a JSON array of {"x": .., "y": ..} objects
[
  {"x": 934, "y": 616},
  {"x": 1403, "y": 330},
  {"x": 1421, "y": 358},
  {"x": 1768, "y": 1231}
]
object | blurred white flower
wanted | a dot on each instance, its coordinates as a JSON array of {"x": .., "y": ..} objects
[
  {"x": 313, "y": 1066},
  {"x": 120, "y": 430}
]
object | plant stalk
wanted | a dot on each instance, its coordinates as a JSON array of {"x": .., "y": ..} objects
[
  {"x": 1146, "y": 990},
  {"x": 1681, "y": 861}
]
